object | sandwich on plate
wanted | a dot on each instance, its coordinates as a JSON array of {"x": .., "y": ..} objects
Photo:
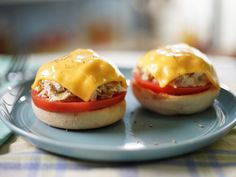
[
  {"x": 175, "y": 79},
  {"x": 79, "y": 91}
]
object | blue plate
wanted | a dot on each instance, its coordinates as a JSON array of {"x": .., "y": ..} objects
[{"x": 141, "y": 135}]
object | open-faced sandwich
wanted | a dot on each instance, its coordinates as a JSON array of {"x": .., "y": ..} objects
[
  {"x": 79, "y": 91},
  {"x": 175, "y": 79}
]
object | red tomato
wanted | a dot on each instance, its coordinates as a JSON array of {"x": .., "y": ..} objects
[
  {"x": 169, "y": 89},
  {"x": 75, "y": 105}
]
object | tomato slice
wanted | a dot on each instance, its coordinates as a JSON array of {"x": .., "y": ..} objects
[
  {"x": 75, "y": 105},
  {"x": 169, "y": 89}
]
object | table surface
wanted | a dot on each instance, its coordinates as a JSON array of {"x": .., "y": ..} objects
[{"x": 19, "y": 157}]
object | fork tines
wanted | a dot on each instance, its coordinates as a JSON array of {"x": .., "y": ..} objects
[{"x": 16, "y": 68}]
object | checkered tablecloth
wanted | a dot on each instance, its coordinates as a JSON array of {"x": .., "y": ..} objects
[{"x": 20, "y": 158}]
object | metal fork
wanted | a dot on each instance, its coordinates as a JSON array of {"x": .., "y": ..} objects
[{"x": 16, "y": 69}]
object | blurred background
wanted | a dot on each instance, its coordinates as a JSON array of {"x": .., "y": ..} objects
[{"x": 62, "y": 25}]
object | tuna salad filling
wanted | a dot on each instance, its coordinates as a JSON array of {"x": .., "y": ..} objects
[
  {"x": 55, "y": 92},
  {"x": 186, "y": 80}
]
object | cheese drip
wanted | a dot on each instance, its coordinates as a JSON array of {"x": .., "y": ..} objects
[
  {"x": 167, "y": 63},
  {"x": 81, "y": 72}
]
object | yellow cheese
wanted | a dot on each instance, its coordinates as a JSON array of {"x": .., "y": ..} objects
[
  {"x": 81, "y": 72},
  {"x": 167, "y": 63}
]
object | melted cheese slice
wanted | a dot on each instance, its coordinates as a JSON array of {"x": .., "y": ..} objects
[
  {"x": 169, "y": 62},
  {"x": 81, "y": 72}
]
